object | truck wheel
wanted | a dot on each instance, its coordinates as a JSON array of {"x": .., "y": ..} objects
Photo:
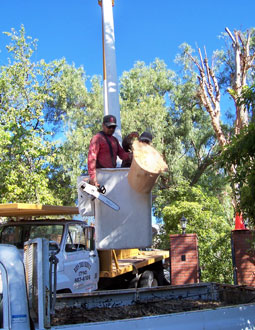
[
  {"x": 161, "y": 278},
  {"x": 147, "y": 280}
]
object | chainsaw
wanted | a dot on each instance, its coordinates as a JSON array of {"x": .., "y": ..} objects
[{"x": 98, "y": 192}]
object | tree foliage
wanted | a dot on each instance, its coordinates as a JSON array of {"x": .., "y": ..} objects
[
  {"x": 26, "y": 150},
  {"x": 207, "y": 218},
  {"x": 143, "y": 94},
  {"x": 78, "y": 113},
  {"x": 42, "y": 105},
  {"x": 241, "y": 153}
]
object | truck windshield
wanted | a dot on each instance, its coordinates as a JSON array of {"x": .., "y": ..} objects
[{"x": 18, "y": 234}]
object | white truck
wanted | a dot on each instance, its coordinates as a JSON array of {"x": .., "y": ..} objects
[
  {"x": 81, "y": 267},
  {"x": 27, "y": 302}
]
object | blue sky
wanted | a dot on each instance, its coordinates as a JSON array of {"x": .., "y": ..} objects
[{"x": 144, "y": 29}]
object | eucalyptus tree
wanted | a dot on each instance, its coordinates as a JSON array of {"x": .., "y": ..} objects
[{"x": 231, "y": 72}]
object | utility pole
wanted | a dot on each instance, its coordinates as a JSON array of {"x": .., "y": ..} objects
[{"x": 111, "y": 93}]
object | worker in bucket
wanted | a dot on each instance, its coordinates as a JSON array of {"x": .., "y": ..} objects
[
  {"x": 128, "y": 140},
  {"x": 146, "y": 137},
  {"x": 127, "y": 146},
  {"x": 104, "y": 149}
]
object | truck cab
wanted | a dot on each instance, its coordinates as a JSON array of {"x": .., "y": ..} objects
[{"x": 73, "y": 243}]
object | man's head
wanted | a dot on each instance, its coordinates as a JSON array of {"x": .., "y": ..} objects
[
  {"x": 109, "y": 124},
  {"x": 145, "y": 137}
]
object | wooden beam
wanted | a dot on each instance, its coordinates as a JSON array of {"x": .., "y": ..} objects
[{"x": 24, "y": 209}]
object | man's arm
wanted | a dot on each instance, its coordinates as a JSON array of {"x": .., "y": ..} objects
[
  {"x": 92, "y": 160},
  {"x": 123, "y": 154}
]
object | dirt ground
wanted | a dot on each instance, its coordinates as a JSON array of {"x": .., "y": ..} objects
[{"x": 75, "y": 315}]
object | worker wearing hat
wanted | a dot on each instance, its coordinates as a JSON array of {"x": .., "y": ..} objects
[
  {"x": 128, "y": 140},
  {"x": 146, "y": 137},
  {"x": 104, "y": 149}
]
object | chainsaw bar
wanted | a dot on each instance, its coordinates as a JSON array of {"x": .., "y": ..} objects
[{"x": 92, "y": 190}]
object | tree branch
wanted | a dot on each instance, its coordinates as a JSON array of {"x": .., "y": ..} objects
[{"x": 230, "y": 34}]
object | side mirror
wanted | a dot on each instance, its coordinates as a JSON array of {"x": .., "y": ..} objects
[{"x": 54, "y": 247}]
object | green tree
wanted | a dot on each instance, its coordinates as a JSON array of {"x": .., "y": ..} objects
[
  {"x": 231, "y": 71},
  {"x": 25, "y": 148},
  {"x": 206, "y": 218},
  {"x": 144, "y": 92},
  {"x": 240, "y": 152},
  {"x": 76, "y": 113}
]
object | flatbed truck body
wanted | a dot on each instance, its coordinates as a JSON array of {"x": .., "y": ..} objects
[{"x": 26, "y": 300}]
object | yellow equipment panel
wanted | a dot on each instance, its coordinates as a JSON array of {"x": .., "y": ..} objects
[{"x": 24, "y": 209}]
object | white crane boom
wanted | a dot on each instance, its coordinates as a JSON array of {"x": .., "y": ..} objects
[{"x": 111, "y": 93}]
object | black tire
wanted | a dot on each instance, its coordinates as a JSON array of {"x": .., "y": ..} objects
[
  {"x": 147, "y": 280},
  {"x": 161, "y": 277}
]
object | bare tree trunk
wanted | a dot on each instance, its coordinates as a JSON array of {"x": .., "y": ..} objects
[
  {"x": 243, "y": 61},
  {"x": 209, "y": 93}
]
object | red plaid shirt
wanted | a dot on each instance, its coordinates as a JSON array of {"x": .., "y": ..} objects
[{"x": 99, "y": 151}]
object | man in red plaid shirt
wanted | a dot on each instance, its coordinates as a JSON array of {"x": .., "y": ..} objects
[{"x": 104, "y": 149}]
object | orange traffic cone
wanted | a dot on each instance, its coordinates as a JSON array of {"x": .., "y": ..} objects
[{"x": 239, "y": 225}]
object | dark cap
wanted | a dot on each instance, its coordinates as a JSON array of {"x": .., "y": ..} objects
[
  {"x": 109, "y": 120},
  {"x": 145, "y": 137}
]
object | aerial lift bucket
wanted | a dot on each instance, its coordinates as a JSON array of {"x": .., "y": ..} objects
[{"x": 146, "y": 166}]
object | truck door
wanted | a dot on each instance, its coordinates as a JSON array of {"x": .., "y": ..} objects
[{"x": 81, "y": 264}]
